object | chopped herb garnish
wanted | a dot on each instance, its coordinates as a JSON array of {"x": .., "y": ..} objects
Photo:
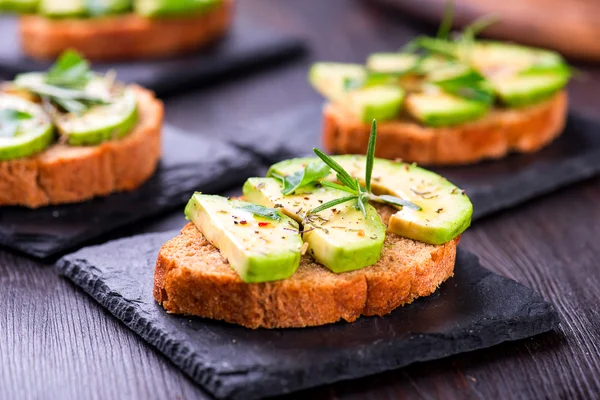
[
  {"x": 361, "y": 195},
  {"x": 70, "y": 70},
  {"x": 10, "y": 120},
  {"x": 261, "y": 211},
  {"x": 313, "y": 172}
]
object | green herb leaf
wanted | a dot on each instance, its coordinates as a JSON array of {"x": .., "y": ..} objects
[
  {"x": 361, "y": 205},
  {"x": 269, "y": 213},
  {"x": 332, "y": 203},
  {"x": 446, "y": 25},
  {"x": 70, "y": 70},
  {"x": 10, "y": 120},
  {"x": 334, "y": 185},
  {"x": 311, "y": 173},
  {"x": 341, "y": 173},
  {"x": 370, "y": 155},
  {"x": 396, "y": 201},
  {"x": 471, "y": 85}
]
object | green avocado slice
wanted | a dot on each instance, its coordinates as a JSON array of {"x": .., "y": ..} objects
[
  {"x": 340, "y": 238},
  {"x": 24, "y": 128},
  {"x": 166, "y": 8},
  {"x": 382, "y": 102},
  {"x": 445, "y": 210},
  {"x": 19, "y": 6},
  {"x": 259, "y": 249},
  {"x": 520, "y": 75},
  {"x": 62, "y": 8},
  {"x": 443, "y": 109},
  {"x": 333, "y": 80}
]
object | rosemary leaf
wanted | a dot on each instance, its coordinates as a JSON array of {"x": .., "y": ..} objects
[
  {"x": 396, "y": 201},
  {"x": 338, "y": 187},
  {"x": 370, "y": 155},
  {"x": 342, "y": 175},
  {"x": 332, "y": 203}
]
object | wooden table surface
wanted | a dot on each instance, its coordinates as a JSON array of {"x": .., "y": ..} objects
[{"x": 56, "y": 342}]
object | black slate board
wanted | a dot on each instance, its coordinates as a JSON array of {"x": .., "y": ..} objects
[
  {"x": 247, "y": 46},
  {"x": 189, "y": 163},
  {"x": 475, "y": 309},
  {"x": 491, "y": 185}
]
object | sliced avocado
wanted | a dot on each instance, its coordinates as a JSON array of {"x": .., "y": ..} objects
[
  {"x": 445, "y": 210},
  {"x": 340, "y": 238},
  {"x": 525, "y": 89},
  {"x": 25, "y": 129},
  {"x": 257, "y": 248},
  {"x": 333, "y": 80},
  {"x": 100, "y": 123},
  {"x": 167, "y": 8},
  {"x": 19, "y": 6},
  {"x": 521, "y": 75},
  {"x": 382, "y": 102},
  {"x": 62, "y": 8},
  {"x": 443, "y": 109},
  {"x": 96, "y": 8},
  {"x": 401, "y": 63}
]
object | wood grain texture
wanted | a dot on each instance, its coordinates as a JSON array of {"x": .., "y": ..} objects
[{"x": 55, "y": 342}]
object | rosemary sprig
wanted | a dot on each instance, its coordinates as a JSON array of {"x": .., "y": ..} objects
[{"x": 360, "y": 194}]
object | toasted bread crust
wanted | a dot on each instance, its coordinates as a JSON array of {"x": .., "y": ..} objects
[
  {"x": 68, "y": 174},
  {"x": 191, "y": 277},
  {"x": 502, "y": 131},
  {"x": 123, "y": 37}
]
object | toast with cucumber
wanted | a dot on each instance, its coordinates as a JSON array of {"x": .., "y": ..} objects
[
  {"x": 445, "y": 101},
  {"x": 316, "y": 241},
  {"x": 68, "y": 135},
  {"x": 113, "y": 30}
]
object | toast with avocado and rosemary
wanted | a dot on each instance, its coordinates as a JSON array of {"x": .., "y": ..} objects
[
  {"x": 445, "y": 101},
  {"x": 316, "y": 241},
  {"x": 68, "y": 135},
  {"x": 113, "y": 30}
]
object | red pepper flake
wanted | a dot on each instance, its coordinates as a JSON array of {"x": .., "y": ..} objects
[
  {"x": 243, "y": 222},
  {"x": 263, "y": 224},
  {"x": 361, "y": 233},
  {"x": 307, "y": 198}
]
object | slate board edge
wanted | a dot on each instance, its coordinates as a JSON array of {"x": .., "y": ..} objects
[
  {"x": 251, "y": 169},
  {"x": 227, "y": 387},
  {"x": 573, "y": 171}
]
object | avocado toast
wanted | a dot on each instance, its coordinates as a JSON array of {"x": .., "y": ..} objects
[
  {"x": 69, "y": 135},
  {"x": 316, "y": 241},
  {"x": 120, "y": 29},
  {"x": 445, "y": 101}
]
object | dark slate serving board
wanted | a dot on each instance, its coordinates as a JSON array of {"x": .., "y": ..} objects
[
  {"x": 491, "y": 185},
  {"x": 475, "y": 309},
  {"x": 189, "y": 163},
  {"x": 246, "y": 47}
]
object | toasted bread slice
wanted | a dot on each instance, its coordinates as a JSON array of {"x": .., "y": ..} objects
[
  {"x": 192, "y": 277},
  {"x": 123, "y": 37},
  {"x": 68, "y": 174},
  {"x": 524, "y": 130}
]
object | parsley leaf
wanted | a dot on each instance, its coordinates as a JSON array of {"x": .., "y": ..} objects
[
  {"x": 311, "y": 173},
  {"x": 269, "y": 213},
  {"x": 10, "y": 120}
]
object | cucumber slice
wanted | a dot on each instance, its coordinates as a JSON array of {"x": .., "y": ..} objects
[
  {"x": 62, "y": 8},
  {"x": 33, "y": 133},
  {"x": 166, "y": 8},
  {"x": 442, "y": 109},
  {"x": 333, "y": 80},
  {"x": 100, "y": 123},
  {"x": 19, "y": 6},
  {"x": 377, "y": 102}
]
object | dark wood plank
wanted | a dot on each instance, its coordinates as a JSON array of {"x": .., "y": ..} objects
[{"x": 55, "y": 342}]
